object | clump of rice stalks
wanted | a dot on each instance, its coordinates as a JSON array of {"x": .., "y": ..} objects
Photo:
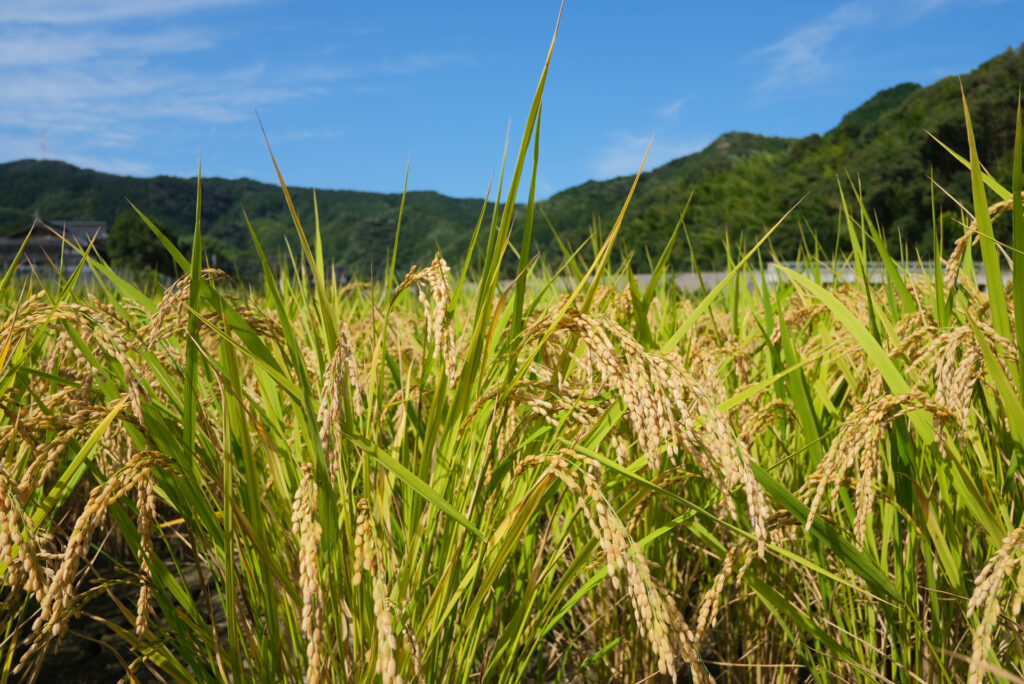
[
  {"x": 664, "y": 406},
  {"x": 985, "y": 601},
  {"x": 667, "y": 632},
  {"x": 858, "y": 444},
  {"x": 58, "y": 600}
]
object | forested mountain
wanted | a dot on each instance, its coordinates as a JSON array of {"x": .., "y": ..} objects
[
  {"x": 741, "y": 184},
  {"x": 357, "y": 227},
  {"x": 744, "y": 183}
]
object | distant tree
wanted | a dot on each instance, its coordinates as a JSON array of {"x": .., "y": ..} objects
[{"x": 131, "y": 245}]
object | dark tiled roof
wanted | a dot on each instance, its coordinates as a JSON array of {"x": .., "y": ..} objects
[{"x": 80, "y": 232}]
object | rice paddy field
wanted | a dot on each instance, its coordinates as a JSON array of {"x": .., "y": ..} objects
[{"x": 434, "y": 478}]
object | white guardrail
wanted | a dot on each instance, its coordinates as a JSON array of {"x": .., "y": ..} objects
[
  {"x": 849, "y": 273},
  {"x": 829, "y": 274}
]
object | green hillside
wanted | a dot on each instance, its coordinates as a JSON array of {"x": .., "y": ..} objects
[{"x": 741, "y": 184}]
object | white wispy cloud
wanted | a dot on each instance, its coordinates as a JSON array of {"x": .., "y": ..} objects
[
  {"x": 23, "y": 48},
  {"x": 918, "y": 8},
  {"x": 80, "y": 99},
  {"x": 801, "y": 58},
  {"x": 671, "y": 110},
  {"x": 69, "y": 12},
  {"x": 99, "y": 89},
  {"x": 623, "y": 155}
]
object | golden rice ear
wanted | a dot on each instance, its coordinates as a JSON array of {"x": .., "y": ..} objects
[
  {"x": 954, "y": 263},
  {"x": 368, "y": 557},
  {"x": 19, "y": 551},
  {"x": 145, "y": 502},
  {"x": 859, "y": 445},
  {"x": 306, "y": 528},
  {"x": 440, "y": 332},
  {"x": 985, "y": 601},
  {"x": 341, "y": 378}
]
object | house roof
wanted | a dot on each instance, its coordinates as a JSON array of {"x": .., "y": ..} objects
[{"x": 77, "y": 231}]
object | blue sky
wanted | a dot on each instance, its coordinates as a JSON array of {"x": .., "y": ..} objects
[{"x": 349, "y": 92}]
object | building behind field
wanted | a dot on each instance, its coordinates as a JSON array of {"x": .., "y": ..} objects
[{"x": 50, "y": 246}]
